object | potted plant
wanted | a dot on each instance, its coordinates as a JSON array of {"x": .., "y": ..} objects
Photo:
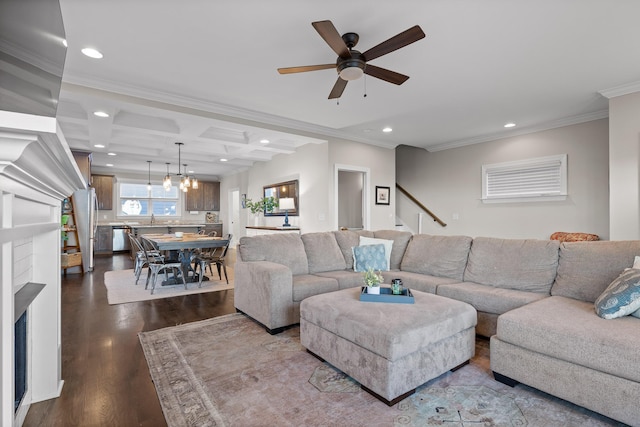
[{"x": 372, "y": 280}]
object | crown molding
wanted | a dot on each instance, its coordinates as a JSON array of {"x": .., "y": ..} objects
[
  {"x": 36, "y": 160},
  {"x": 621, "y": 90},
  {"x": 567, "y": 121},
  {"x": 227, "y": 112}
]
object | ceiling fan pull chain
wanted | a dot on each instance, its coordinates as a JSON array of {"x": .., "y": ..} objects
[{"x": 365, "y": 86}]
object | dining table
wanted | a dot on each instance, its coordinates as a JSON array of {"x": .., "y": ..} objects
[{"x": 185, "y": 246}]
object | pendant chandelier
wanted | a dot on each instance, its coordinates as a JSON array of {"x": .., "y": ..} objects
[
  {"x": 166, "y": 182},
  {"x": 186, "y": 182},
  {"x": 149, "y": 176}
]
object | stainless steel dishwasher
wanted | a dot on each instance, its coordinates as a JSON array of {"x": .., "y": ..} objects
[{"x": 120, "y": 238}]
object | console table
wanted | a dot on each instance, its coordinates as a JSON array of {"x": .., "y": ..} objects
[{"x": 260, "y": 230}]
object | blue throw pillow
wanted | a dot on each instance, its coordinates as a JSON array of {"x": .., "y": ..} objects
[
  {"x": 622, "y": 296},
  {"x": 369, "y": 256}
]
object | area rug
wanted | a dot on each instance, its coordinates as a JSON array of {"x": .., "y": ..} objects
[
  {"x": 121, "y": 287},
  {"x": 228, "y": 371}
]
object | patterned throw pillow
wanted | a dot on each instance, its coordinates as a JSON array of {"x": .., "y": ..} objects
[
  {"x": 622, "y": 296},
  {"x": 388, "y": 246},
  {"x": 369, "y": 256}
]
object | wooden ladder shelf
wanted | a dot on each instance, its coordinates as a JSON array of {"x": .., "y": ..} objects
[{"x": 71, "y": 253}]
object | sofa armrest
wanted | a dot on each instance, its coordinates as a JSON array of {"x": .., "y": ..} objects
[{"x": 264, "y": 291}]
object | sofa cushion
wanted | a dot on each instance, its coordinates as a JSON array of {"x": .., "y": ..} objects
[
  {"x": 307, "y": 285},
  {"x": 323, "y": 252},
  {"x": 347, "y": 239},
  {"x": 569, "y": 330},
  {"x": 522, "y": 264},
  {"x": 346, "y": 278},
  {"x": 388, "y": 247},
  {"x": 417, "y": 281},
  {"x": 369, "y": 256},
  {"x": 443, "y": 256},
  {"x": 585, "y": 269},
  {"x": 488, "y": 299},
  {"x": 285, "y": 248},
  {"x": 622, "y": 296},
  {"x": 400, "y": 242}
]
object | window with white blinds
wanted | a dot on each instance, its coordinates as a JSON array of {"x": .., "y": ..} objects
[{"x": 539, "y": 179}]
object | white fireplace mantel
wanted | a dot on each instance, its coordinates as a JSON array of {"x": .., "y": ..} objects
[{"x": 37, "y": 171}]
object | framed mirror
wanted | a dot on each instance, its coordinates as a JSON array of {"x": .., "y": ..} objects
[{"x": 282, "y": 190}]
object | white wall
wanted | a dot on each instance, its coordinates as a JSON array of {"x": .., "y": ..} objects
[
  {"x": 313, "y": 166},
  {"x": 624, "y": 153},
  {"x": 382, "y": 164},
  {"x": 449, "y": 182}
]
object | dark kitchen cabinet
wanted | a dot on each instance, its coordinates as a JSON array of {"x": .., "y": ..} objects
[
  {"x": 205, "y": 198},
  {"x": 103, "y": 185}
]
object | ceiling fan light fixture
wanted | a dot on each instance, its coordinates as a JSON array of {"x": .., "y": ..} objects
[
  {"x": 351, "y": 73},
  {"x": 351, "y": 68}
]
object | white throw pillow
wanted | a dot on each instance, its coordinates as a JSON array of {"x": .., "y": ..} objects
[
  {"x": 636, "y": 262},
  {"x": 388, "y": 245}
]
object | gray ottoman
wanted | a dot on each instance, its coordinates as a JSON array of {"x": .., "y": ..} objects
[{"x": 389, "y": 348}]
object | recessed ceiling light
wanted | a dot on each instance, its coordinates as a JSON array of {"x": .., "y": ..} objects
[
  {"x": 264, "y": 141},
  {"x": 112, "y": 154},
  {"x": 387, "y": 130},
  {"x": 99, "y": 146},
  {"x": 191, "y": 172},
  {"x": 223, "y": 160},
  {"x": 92, "y": 53},
  {"x": 100, "y": 114},
  {"x": 64, "y": 43},
  {"x": 510, "y": 125},
  {"x": 110, "y": 164}
]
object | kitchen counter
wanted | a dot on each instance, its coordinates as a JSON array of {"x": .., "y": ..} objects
[{"x": 138, "y": 229}]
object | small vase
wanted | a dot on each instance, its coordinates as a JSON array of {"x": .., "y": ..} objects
[
  {"x": 257, "y": 220},
  {"x": 373, "y": 290}
]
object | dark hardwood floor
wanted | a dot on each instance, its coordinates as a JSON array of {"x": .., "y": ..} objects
[{"x": 106, "y": 379}]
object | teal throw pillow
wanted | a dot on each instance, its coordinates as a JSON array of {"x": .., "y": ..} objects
[
  {"x": 622, "y": 296},
  {"x": 369, "y": 256}
]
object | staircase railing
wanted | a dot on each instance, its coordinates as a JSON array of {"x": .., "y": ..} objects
[{"x": 423, "y": 207}]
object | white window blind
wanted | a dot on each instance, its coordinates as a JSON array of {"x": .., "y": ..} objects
[{"x": 543, "y": 178}]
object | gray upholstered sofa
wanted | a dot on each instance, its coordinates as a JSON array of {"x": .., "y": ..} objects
[
  {"x": 274, "y": 273},
  {"x": 534, "y": 298}
]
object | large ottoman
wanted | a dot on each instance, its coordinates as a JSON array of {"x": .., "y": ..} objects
[{"x": 389, "y": 348}]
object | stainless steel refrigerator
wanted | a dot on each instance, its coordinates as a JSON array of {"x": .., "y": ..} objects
[{"x": 86, "y": 211}]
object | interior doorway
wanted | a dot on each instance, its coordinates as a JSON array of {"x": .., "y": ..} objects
[
  {"x": 351, "y": 192},
  {"x": 234, "y": 215},
  {"x": 350, "y": 187}
]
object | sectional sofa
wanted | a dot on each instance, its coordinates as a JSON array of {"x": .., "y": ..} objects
[{"x": 534, "y": 298}]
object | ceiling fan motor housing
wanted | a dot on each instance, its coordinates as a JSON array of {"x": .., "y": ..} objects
[{"x": 351, "y": 68}]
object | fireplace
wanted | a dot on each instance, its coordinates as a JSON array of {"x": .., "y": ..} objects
[
  {"x": 22, "y": 301},
  {"x": 20, "y": 360}
]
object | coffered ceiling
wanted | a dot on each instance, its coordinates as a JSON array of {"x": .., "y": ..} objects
[{"x": 204, "y": 73}]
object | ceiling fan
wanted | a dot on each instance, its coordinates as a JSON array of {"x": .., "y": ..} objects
[{"x": 351, "y": 64}]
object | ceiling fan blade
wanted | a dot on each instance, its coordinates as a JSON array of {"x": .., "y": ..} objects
[
  {"x": 386, "y": 75},
  {"x": 338, "y": 88},
  {"x": 291, "y": 70},
  {"x": 330, "y": 35},
  {"x": 403, "y": 39}
]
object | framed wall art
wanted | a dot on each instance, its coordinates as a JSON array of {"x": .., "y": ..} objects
[{"x": 382, "y": 195}]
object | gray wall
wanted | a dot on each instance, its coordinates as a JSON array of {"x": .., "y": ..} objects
[{"x": 448, "y": 182}]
